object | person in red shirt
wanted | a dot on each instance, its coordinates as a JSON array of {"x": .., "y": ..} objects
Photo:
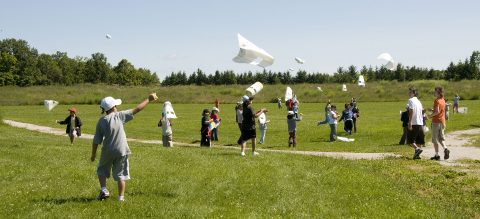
[{"x": 438, "y": 124}]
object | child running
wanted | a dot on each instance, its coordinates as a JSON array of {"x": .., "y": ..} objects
[{"x": 73, "y": 123}]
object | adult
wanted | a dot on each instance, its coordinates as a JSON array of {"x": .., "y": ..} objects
[
  {"x": 356, "y": 114},
  {"x": 415, "y": 123},
  {"x": 439, "y": 124},
  {"x": 115, "y": 150},
  {"x": 248, "y": 125},
  {"x": 456, "y": 102}
]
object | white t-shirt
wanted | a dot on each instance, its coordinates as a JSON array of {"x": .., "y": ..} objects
[
  {"x": 166, "y": 127},
  {"x": 416, "y": 106},
  {"x": 331, "y": 119},
  {"x": 239, "y": 116}
]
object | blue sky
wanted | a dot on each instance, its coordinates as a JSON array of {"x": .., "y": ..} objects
[{"x": 166, "y": 36}]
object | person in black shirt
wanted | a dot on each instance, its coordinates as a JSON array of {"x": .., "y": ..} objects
[
  {"x": 204, "y": 132},
  {"x": 404, "y": 119},
  {"x": 248, "y": 125}
]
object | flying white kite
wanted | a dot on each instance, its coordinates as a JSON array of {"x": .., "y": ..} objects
[
  {"x": 319, "y": 89},
  {"x": 361, "y": 81},
  {"x": 252, "y": 54},
  {"x": 299, "y": 60},
  {"x": 108, "y": 36},
  {"x": 391, "y": 64},
  {"x": 168, "y": 110},
  {"x": 344, "y": 87},
  {"x": 254, "y": 89},
  {"x": 288, "y": 94},
  {"x": 291, "y": 69},
  {"x": 50, "y": 104}
]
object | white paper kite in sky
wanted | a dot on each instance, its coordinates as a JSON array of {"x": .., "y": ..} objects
[
  {"x": 299, "y": 60},
  {"x": 50, "y": 104},
  {"x": 291, "y": 69},
  {"x": 344, "y": 87},
  {"x": 288, "y": 94},
  {"x": 252, "y": 54},
  {"x": 391, "y": 64},
  {"x": 108, "y": 36}
]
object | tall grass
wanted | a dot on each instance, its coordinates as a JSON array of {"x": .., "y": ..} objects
[{"x": 380, "y": 91}]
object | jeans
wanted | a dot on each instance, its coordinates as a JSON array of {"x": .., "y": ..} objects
[
  {"x": 263, "y": 131},
  {"x": 333, "y": 132}
]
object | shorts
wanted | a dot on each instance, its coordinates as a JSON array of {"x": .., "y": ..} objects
[
  {"x": 167, "y": 140},
  {"x": 416, "y": 135},
  {"x": 438, "y": 132},
  {"x": 118, "y": 166},
  {"x": 246, "y": 135}
]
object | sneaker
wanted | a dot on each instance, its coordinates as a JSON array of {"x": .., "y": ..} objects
[
  {"x": 104, "y": 194},
  {"x": 242, "y": 154},
  {"x": 436, "y": 157},
  {"x": 447, "y": 154},
  {"x": 255, "y": 153},
  {"x": 417, "y": 154}
]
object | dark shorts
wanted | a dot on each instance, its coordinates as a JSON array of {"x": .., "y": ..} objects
[
  {"x": 416, "y": 135},
  {"x": 247, "y": 135}
]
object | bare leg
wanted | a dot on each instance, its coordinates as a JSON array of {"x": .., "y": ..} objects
[
  {"x": 254, "y": 144},
  {"x": 72, "y": 137},
  {"x": 103, "y": 181},
  {"x": 435, "y": 145},
  {"x": 121, "y": 188},
  {"x": 242, "y": 146}
]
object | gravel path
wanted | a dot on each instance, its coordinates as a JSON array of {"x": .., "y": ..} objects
[
  {"x": 456, "y": 144},
  {"x": 454, "y": 141}
]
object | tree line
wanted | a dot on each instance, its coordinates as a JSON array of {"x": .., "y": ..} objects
[
  {"x": 22, "y": 65},
  {"x": 463, "y": 70}
]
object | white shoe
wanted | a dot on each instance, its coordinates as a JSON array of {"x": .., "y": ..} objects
[
  {"x": 255, "y": 153},
  {"x": 242, "y": 154}
]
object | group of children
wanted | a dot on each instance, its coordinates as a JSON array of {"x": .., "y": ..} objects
[{"x": 349, "y": 116}]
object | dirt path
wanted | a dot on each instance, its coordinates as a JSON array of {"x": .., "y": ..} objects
[
  {"x": 456, "y": 144},
  {"x": 454, "y": 141}
]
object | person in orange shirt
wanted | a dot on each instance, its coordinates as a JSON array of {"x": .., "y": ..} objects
[{"x": 438, "y": 124}]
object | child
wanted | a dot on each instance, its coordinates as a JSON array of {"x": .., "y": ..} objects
[
  {"x": 216, "y": 118},
  {"x": 205, "y": 133},
  {"x": 279, "y": 103},
  {"x": 404, "y": 118},
  {"x": 332, "y": 121},
  {"x": 115, "y": 150},
  {"x": 166, "y": 125},
  {"x": 262, "y": 120},
  {"x": 296, "y": 104},
  {"x": 356, "y": 114},
  {"x": 447, "y": 108},
  {"x": 347, "y": 116},
  {"x": 239, "y": 116},
  {"x": 292, "y": 128},
  {"x": 456, "y": 102},
  {"x": 327, "y": 109},
  {"x": 73, "y": 123}
]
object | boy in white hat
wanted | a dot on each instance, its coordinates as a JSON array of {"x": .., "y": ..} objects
[{"x": 115, "y": 150}]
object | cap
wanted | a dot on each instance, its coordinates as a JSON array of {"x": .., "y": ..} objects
[
  {"x": 245, "y": 98},
  {"x": 206, "y": 111},
  {"x": 108, "y": 103},
  {"x": 73, "y": 109},
  {"x": 215, "y": 109}
]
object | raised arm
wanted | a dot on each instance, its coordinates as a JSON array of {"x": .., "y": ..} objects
[{"x": 151, "y": 97}]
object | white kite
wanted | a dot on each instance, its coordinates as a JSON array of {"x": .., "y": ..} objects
[
  {"x": 345, "y": 139},
  {"x": 254, "y": 89},
  {"x": 50, "y": 104},
  {"x": 168, "y": 110},
  {"x": 288, "y": 94},
  {"x": 391, "y": 64},
  {"x": 344, "y": 87},
  {"x": 291, "y": 69},
  {"x": 299, "y": 60},
  {"x": 320, "y": 89},
  {"x": 361, "y": 81},
  {"x": 108, "y": 36},
  {"x": 252, "y": 54}
]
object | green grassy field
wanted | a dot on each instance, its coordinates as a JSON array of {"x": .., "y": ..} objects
[
  {"x": 42, "y": 176},
  {"x": 379, "y": 126}
]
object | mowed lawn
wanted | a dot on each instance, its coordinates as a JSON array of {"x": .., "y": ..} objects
[
  {"x": 42, "y": 176},
  {"x": 379, "y": 126}
]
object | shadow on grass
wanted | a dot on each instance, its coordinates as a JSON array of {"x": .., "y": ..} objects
[
  {"x": 155, "y": 193},
  {"x": 475, "y": 125},
  {"x": 61, "y": 201}
]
